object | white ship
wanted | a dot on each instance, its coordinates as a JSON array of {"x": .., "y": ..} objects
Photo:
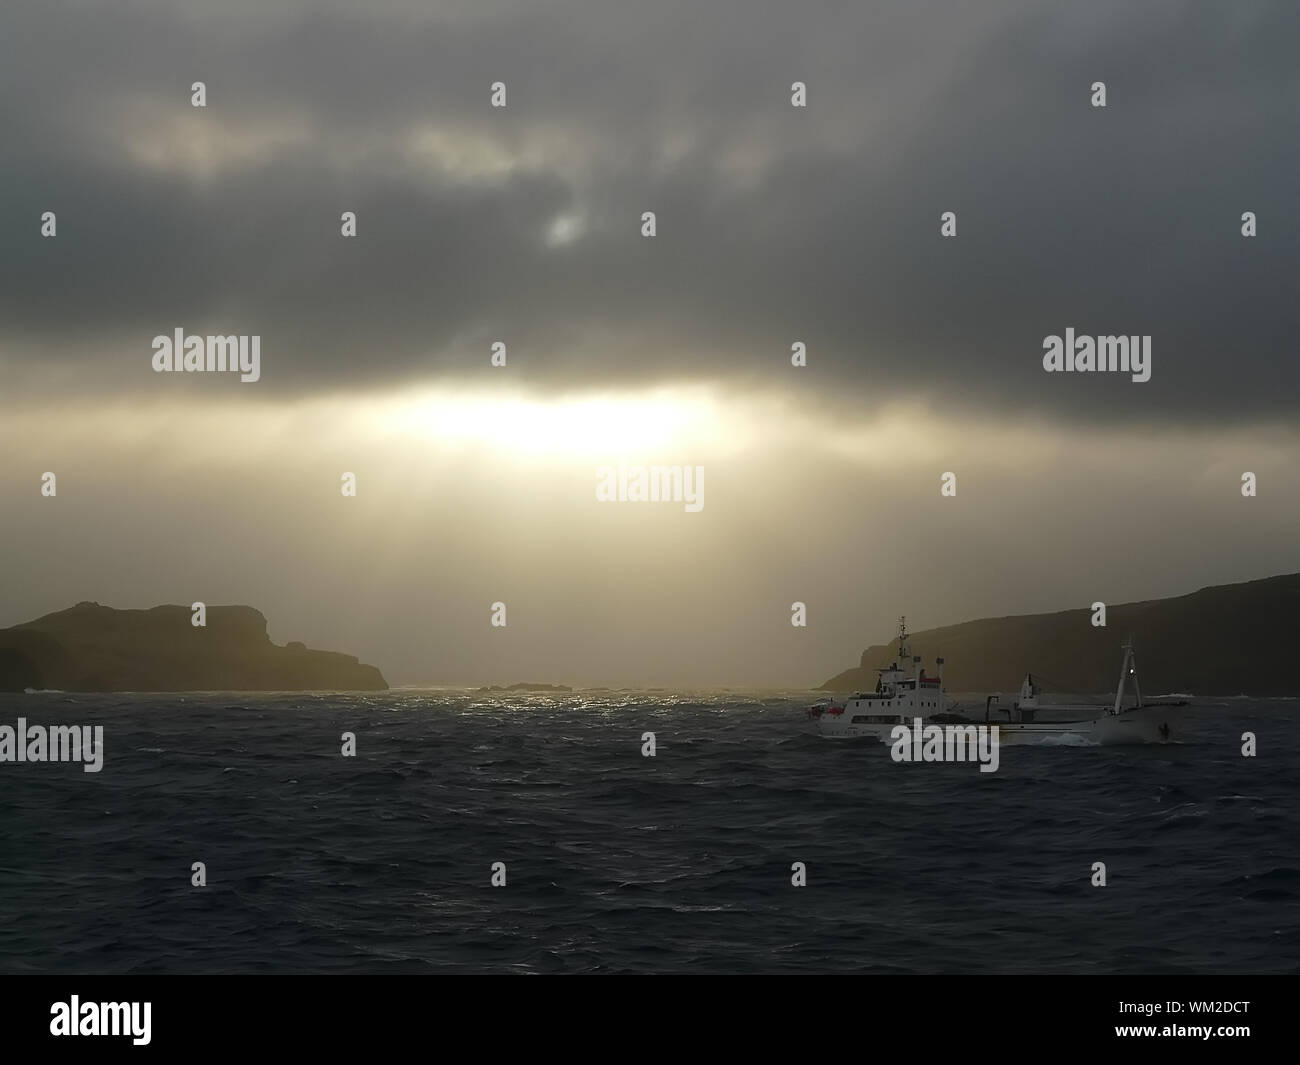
[{"x": 902, "y": 696}]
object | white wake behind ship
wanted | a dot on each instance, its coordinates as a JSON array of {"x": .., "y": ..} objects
[{"x": 902, "y": 696}]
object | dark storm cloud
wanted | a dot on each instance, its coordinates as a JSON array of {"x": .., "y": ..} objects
[{"x": 774, "y": 224}]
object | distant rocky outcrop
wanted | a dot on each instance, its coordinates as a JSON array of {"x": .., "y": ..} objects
[
  {"x": 96, "y": 648},
  {"x": 1226, "y": 640},
  {"x": 526, "y": 687}
]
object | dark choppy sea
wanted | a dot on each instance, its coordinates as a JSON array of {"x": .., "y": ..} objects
[{"x": 618, "y": 862}]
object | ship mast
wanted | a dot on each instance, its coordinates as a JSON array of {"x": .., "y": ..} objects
[{"x": 1127, "y": 669}]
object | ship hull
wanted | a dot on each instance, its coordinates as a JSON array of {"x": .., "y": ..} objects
[{"x": 1147, "y": 724}]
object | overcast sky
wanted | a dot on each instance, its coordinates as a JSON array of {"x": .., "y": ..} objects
[{"x": 523, "y": 225}]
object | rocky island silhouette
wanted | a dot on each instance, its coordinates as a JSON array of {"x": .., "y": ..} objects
[{"x": 94, "y": 648}]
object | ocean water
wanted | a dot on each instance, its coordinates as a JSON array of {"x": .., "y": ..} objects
[{"x": 617, "y": 862}]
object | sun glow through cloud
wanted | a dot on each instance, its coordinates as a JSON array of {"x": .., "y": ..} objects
[{"x": 575, "y": 426}]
